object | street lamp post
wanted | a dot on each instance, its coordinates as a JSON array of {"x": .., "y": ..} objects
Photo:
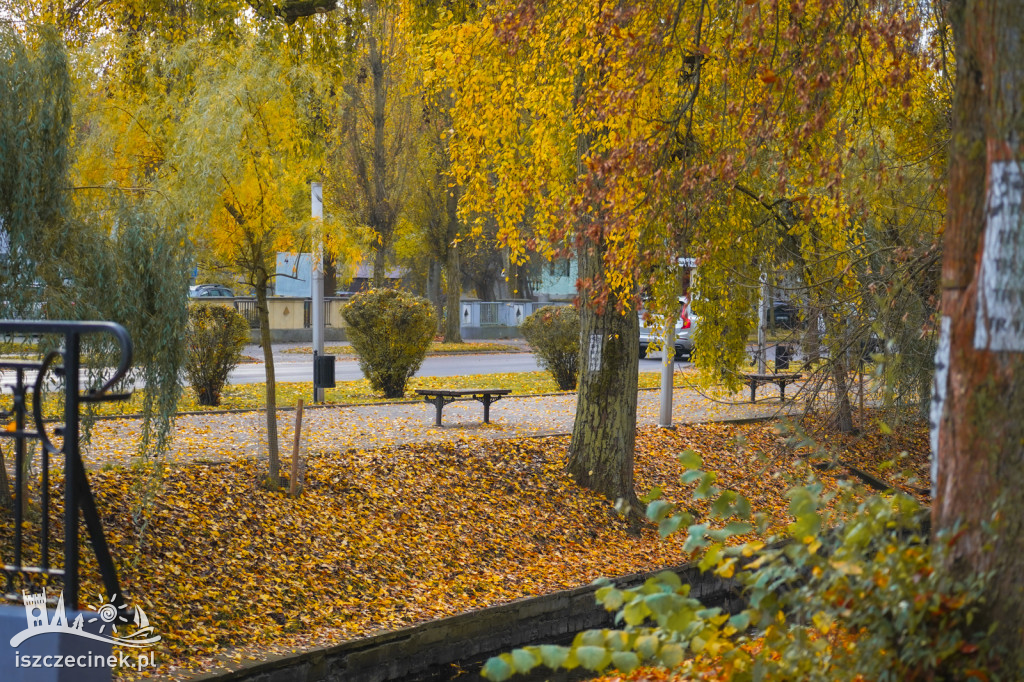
[{"x": 317, "y": 196}]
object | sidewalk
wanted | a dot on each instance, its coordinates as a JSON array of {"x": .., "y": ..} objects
[{"x": 220, "y": 438}]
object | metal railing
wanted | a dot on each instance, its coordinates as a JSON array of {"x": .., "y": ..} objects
[
  {"x": 307, "y": 314},
  {"x": 248, "y": 310},
  {"x": 489, "y": 313},
  {"x": 25, "y": 428}
]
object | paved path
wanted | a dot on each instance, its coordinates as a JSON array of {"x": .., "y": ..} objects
[{"x": 217, "y": 438}]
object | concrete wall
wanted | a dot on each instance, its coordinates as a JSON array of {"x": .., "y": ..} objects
[
  {"x": 288, "y": 319},
  {"x": 457, "y": 646}
]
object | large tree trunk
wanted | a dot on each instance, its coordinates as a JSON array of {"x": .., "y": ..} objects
[
  {"x": 434, "y": 293},
  {"x": 453, "y": 295},
  {"x": 382, "y": 218},
  {"x": 980, "y": 459},
  {"x": 271, "y": 385},
  {"x": 453, "y": 272},
  {"x": 604, "y": 435}
]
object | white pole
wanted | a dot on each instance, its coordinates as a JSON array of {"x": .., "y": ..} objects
[
  {"x": 667, "y": 368},
  {"x": 318, "y": 280},
  {"x": 762, "y": 310}
]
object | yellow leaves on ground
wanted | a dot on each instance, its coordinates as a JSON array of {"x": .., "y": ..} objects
[{"x": 385, "y": 538}]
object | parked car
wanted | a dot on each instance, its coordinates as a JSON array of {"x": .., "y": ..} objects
[
  {"x": 786, "y": 315},
  {"x": 652, "y": 331},
  {"x": 210, "y": 291}
]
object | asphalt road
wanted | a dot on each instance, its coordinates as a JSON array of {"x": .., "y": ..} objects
[
  {"x": 347, "y": 369},
  {"x": 288, "y": 367}
]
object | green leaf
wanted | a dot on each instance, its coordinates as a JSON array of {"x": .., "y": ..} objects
[
  {"x": 658, "y": 510},
  {"x": 593, "y": 657},
  {"x": 741, "y": 621},
  {"x": 667, "y": 578},
  {"x": 654, "y": 494},
  {"x": 732, "y": 528},
  {"x": 635, "y": 613},
  {"x": 711, "y": 557},
  {"x": 806, "y": 525},
  {"x": 647, "y": 646},
  {"x": 722, "y": 507},
  {"x": 689, "y": 459},
  {"x": 742, "y": 508},
  {"x": 706, "y": 487},
  {"x": 682, "y": 618},
  {"x": 696, "y": 538},
  {"x": 496, "y": 669},
  {"x": 610, "y": 598},
  {"x": 673, "y": 523},
  {"x": 553, "y": 656},
  {"x": 671, "y": 655},
  {"x": 616, "y": 640},
  {"x": 523, "y": 661},
  {"x": 625, "y": 661},
  {"x": 690, "y": 476},
  {"x": 661, "y": 604}
]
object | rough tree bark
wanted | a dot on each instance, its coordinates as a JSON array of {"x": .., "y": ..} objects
[
  {"x": 604, "y": 434},
  {"x": 271, "y": 385},
  {"x": 980, "y": 457},
  {"x": 434, "y": 294},
  {"x": 453, "y": 273}
]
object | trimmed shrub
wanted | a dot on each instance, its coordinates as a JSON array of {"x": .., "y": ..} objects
[
  {"x": 553, "y": 333},
  {"x": 390, "y": 331},
  {"x": 214, "y": 340}
]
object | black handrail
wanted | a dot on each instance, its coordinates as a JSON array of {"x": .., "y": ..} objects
[{"x": 77, "y": 495}]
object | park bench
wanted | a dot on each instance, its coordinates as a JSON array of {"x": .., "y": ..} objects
[
  {"x": 755, "y": 380},
  {"x": 439, "y": 397}
]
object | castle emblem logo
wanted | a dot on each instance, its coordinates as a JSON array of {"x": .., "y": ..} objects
[{"x": 108, "y": 615}]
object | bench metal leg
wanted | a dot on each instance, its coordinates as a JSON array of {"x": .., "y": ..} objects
[
  {"x": 438, "y": 402},
  {"x": 487, "y": 399},
  {"x": 782, "y": 391},
  {"x": 753, "y": 388}
]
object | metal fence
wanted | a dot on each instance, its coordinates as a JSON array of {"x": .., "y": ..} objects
[
  {"x": 307, "y": 314},
  {"x": 248, "y": 309},
  {"x": 28, "y": 562}
]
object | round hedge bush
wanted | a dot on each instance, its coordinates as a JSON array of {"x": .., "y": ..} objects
[
  {"x": 390, "y": 331},
  {"x": 553, "y": 333}
]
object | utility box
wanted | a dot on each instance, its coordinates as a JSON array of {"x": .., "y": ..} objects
[{"x": 323, "y": 371}]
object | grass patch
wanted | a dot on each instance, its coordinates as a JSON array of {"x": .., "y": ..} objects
[{"x": 252, "y": 396}]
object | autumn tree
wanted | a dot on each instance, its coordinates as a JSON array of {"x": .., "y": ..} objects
[
  {"x": 435, "y": 209},
  {"x": 376, "y": 130},
  {"x": 87, "y": 252},
  {"x": 250, "y": 161}
]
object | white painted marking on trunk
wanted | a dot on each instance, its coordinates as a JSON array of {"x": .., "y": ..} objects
[
  {"x": 940, "y": 386},
  {"x": 1000, "y": 321},
  {"x": 596, "y": 350}
]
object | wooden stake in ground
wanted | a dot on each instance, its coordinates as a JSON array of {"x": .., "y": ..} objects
[
  {"x": 293, "y": 479},
  {"x": 862, "y": 426}
]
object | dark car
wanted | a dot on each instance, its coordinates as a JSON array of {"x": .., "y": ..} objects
[
  {"x": 210, "y": 291},
  {"x": 785, "y": 314}
]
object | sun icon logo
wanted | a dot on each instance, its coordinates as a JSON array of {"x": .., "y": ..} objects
[{"x": 108, "y": 613}]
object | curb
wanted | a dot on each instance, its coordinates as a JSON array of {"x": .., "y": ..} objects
[{"x": 455, "y": 647}]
